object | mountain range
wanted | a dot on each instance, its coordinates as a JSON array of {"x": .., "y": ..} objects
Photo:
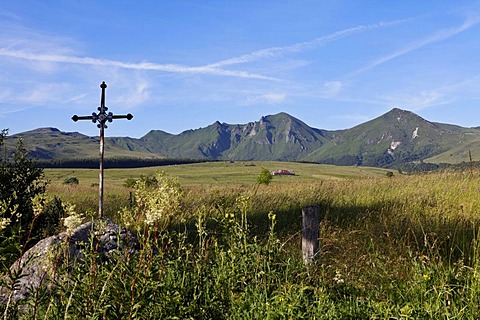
[{"x": 397, "y": 137}]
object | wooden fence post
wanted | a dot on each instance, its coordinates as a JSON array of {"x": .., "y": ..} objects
[{"x": 310, "y": 233}]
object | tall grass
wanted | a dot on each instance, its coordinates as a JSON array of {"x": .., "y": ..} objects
[{"x": 391, "y": 248}]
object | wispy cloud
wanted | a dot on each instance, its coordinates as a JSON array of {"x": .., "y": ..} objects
[
  {"x": 170, "y": 68},
  {"x": 269, "y": 98},
  {"x": 16, "y": 36},
  {"x": 415, "y": 101},
  {"x": 332, "y": 88},
  {"x": 437, "y": 37},
  {"x": 9, "y": 15},
  {"x": 134, "y": 96},
  {"x": 44, "y": 58},
  {"x": 6, "y": 112},
  {"x": 77, "y": 98},
  {"x": 300, "y": 46}
]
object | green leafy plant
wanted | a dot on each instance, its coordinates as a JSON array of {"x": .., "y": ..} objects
[
  {"x": 265, "y": 177},
  {"x": 20, "y": 182},
  {"x": 129, "y": 183},
  {"x": 71, "y": 181}
]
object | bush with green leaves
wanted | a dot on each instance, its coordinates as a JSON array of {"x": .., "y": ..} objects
[
  {"x": 20, "y": 182},
  {"x": 130, "y": 183},
  {"x": 265, "y": 177},
  {"x": 71, "y": 181},
  {"x": 50, "y": 210}
]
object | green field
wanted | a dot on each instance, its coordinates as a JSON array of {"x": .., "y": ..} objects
[
  {"x": 218, "y": 173},
  {"x": 199, "y": 175}
]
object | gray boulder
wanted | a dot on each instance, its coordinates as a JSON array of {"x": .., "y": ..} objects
[{"x": 38, "y": 265}]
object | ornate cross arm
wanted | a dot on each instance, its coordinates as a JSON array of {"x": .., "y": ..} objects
[
  {"x": 76, "y": 118},
  {"x": 128, "y": 116},
  {"x": 106, "y": 117}
]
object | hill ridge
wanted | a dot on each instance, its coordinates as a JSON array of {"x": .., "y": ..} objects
[{"x": 395, "y": 137}]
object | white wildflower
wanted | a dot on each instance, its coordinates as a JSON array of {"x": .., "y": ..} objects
[
  {"x": 4, "y": 222},
  {"x": 159, "y": 201},
  {"x": 38, "y": 204},
  {"x": 73, "y": 220},
  {"x": 338, "y": 277}
]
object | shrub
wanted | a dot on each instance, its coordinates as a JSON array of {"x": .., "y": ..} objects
[
  {"x": 130, "y": 183},
  {"x": 71, "y": 181},
  {"x": 265, "y": 177},
  {"x": 51, "y": 211},
  {"x": 20, "y": 182}
]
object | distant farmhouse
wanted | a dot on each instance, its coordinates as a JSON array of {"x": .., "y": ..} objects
[{"x": 283, "y": 173}]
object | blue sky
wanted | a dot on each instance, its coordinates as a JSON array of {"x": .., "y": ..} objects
[{"x": 178, "y": 65}]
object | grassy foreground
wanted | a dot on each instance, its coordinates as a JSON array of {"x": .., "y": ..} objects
[{"x": 404, "y": 247}]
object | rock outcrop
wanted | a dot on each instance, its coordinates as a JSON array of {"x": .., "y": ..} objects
[{"x": 37, "y": 265}]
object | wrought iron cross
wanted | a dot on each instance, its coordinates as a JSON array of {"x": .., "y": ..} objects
[{"x": 102, "y": 117}]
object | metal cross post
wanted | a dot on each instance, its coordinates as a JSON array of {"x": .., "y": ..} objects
[{"x": 102, "y": 117}]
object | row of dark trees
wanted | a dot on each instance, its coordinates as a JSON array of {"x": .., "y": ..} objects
[{"x": 92, "y": 163}]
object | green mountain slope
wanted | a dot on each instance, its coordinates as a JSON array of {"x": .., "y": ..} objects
[
  {"x": 396, "y": 137},
  {"x": 203, "y": 143},
  {"x": 51, "y": 143}
]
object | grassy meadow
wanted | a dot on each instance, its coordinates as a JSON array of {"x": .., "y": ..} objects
[
  {"x": 212, "y": 174},
  {"x": 217, "y": 173},
  {"x": 401, "y": 247}
]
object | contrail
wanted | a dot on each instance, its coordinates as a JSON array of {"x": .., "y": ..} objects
[
  {"x": 301, "y": 46},
  {"x": 171, "y": 68},
  {"x": 439, "y": 36}
]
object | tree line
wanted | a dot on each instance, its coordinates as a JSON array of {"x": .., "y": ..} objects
[{"x": 93, "y": 163}]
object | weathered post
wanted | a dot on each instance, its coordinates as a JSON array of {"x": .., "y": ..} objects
[
  {"x": 310, "y": 233},
  {"x": 102, "y": 117}
]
